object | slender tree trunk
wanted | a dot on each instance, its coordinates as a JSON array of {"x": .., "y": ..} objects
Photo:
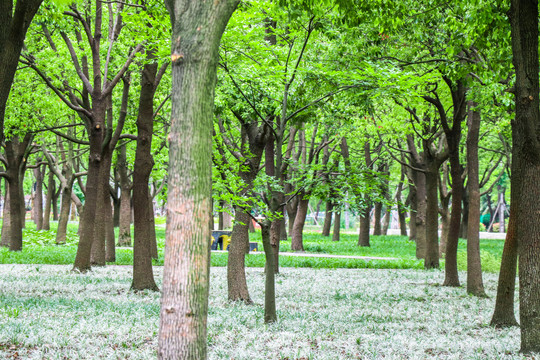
[
  {"x": 143, "y": 210},
  {"x": 475, "y": 284},
  {"x": 51, "y": 185},
  {"x": 184, "y": 302},
  {"x": 337, "y": 227},
  {"x": 65, "y": 206},
  {"x": 297, "y": 243},
  {"x": 377, "y": 219},
  {"x": 38, "y": 200},
  {"x": 110, "y": 241},
  {"x": 431, "y": 261},
  {"x": 327, "y": 218},
  {"x": 270, "y": 314},
  {"x": 504, "y": 315},
  {"x": 421, "y": 214},
  {"x": 363, "y": 234},
  {"x": 6, "y": 219},
  {"x": 124, "y": 219},
  {"x": 413, "y": 203}
]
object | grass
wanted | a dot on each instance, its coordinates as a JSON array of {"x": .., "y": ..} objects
[
  {"x": 40, "y": 248},
  {"x": 48, "y": 312}
]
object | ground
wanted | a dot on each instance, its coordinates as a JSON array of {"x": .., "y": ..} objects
[{"x": 47, "y": 312}]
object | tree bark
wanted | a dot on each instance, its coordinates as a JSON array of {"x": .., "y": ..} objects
[
  {"x": 337, "y": 226},
  {"x": 270, "y": 314},
  {"x": 431, "y": 260},
  {"x": 504, "y": 315},
  {"x": 197, "y": 31},
  {"x": 526, "y": 158},
  {"x": 475, "y": 284},
  {"x": 237, "y": 289},
  {"x": 377, "y": 230},
  {"x": 51, "y": 187},
  {"x": 6, "y": 218},
  {"x": 363, "y": 232},
  {"x": 38, "y": 199},
  {"x": 297, "y": 243},
  {"x": 144, "y": 247},
  {"x": 327, "y": 218},
  {"x": 124, "y": 219},
  {"x": 15, "y": 18}
]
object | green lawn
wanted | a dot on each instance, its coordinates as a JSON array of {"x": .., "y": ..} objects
[{"x": 40, "y": 248}]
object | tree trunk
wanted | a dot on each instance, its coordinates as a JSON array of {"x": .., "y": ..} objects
[
  {"x": 6, "y": 219},
  {"x": 103, "y": 213},
  {"x": 327, "y": 218},
  {"x": 297, "y": 243},
  {"x": 363, "y": 233},
  {"x": 38, "y": 199},
  {"x": 51, "y": 186},
  {"x": 143, "y": 214},
  {"x": 475, "y": 284},
  {"x": 377, "y": 219},
  {"x": 65, "y": 206},
  {"x": 503, "y": 315},
  {"x": 413, "y": 203},
  {"x": 431, "y": 260},
  {"x": 502, "y": 208},
  {"x": 526, "y": 159},
  {"x": 110, "y": 241},
  {"x": 124, "y": 219},
  {"x": 15, "y": 18},
  {"x": 236, "y": 273},
  {"x": 337, "y": 227},
  {"x": 275, "y": 238},
  {"x": 421, "y": 214},
  {"x": 270, "y": 314},
  {"x": 184, "y": 302}
]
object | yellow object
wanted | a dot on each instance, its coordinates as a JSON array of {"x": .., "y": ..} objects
[{"x": 226, "y": 241}]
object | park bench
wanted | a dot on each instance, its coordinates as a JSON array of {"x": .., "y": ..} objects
[{"x": 222, "y": 239}]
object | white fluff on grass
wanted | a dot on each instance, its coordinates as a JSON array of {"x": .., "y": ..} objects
[{"x": 47, "y": 312}]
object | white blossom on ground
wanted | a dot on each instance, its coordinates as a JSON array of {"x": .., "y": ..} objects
[{"x": 48, "y": 312}]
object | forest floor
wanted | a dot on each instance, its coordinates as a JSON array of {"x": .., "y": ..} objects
[{"x": 48, "y": 312}]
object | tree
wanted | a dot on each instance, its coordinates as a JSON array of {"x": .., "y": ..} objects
[
  {"x": 197, "y": 30},
  {"x": 14, "y": 23},
  {"x": 526, "y": 162}
]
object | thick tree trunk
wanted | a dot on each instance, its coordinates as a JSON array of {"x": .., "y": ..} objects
[
  {"x": 15, "y": 18},
  {"x": 327, "y": 218},
  {"x": 236, "y": 273},
  {"x": 51, "y": 187},
  {"x": 88, "y": 217},
  {"x": 475, "y": 284},
  {"x": 184, "y": 302},
  {"x": 297, "y": 243},
  {"x": 337, "y": 227},
  {"x": 524, "y": 182},
  {"x": 102, "y": 214},
  {"x": 526, "y": 159}
]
